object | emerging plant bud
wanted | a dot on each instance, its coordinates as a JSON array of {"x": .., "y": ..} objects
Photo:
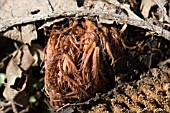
[{"x": 79, "y": 58}]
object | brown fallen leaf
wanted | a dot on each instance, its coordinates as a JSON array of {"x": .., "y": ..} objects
[{"x": 18, "y": 74}]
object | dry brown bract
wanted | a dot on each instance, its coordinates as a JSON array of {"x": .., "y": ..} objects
[{"x": 79, "y": 58}]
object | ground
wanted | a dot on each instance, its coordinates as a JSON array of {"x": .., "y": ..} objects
[{"x": 135, "y": 64}]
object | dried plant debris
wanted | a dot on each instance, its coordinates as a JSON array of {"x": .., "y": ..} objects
[
  {"x": 17, "y": 76},
  {"x": 89, "y": 67},
  {"x": 18, "y": 73},
  {"x": 132, "y": 92},
  {"x": 132, "y": 12},
  {"x": 79, "y": 60},
  {"x": 161, "y": 13},
  {"x": 149, "y": 50},
  {"x": 24, "y": 33}
]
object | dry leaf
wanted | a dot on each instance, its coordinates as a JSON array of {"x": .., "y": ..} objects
[
  {"x": 146, "y": 6},
  {"x": 25, "y": 34},
  {"x": 163, "y": 16},
  {"x": 162, "y": 13},
  {"x": 12, "y": 11},
  {"x": 17, "y": 76},
  {"x": 37, "y": 53}
]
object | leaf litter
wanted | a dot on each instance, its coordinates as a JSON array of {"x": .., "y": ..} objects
[{"x": 102, "y": 62}]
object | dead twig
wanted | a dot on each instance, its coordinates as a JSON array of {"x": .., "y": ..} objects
[
  {"x": 97, "y": 97},
  {"x": 4, "y": 104},
  {"x": 14, "y": 108}
]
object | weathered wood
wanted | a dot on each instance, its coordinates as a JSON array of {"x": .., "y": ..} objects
[{"x": 159, "y": 31}]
